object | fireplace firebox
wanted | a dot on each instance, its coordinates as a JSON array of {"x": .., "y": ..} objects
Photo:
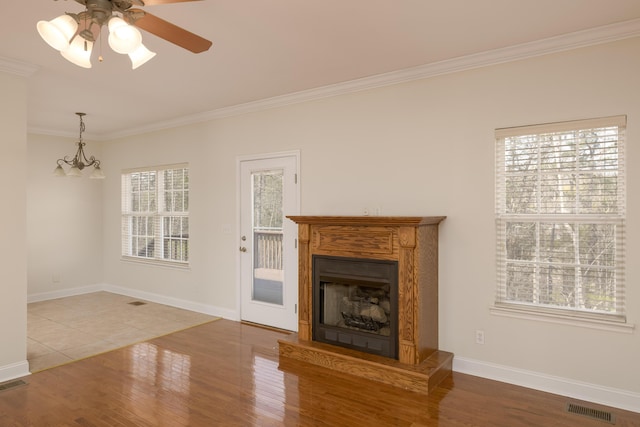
[{"x": 356, "y": 304}]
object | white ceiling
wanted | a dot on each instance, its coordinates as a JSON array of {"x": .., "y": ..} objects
[{"x": 263, "y": 49}]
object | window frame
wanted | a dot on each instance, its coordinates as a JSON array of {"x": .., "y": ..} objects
[
  {"x": 534, "y": 310},
  {"x": 156, "y": 214}
]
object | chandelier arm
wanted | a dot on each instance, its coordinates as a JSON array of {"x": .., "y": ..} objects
[
  {"x": 90, "y": 161},
  {"x": 81, "y": 154},
  {"x": 71, "y": 161}
]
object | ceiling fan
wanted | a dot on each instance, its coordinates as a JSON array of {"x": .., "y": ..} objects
[{"x": 74, "y": 34}]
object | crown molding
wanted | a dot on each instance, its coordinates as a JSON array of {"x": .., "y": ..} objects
[
  {"x": 594, "y": 36},
  {"x": 19, "y": 68},
  {"x": 64, "y": 134}
]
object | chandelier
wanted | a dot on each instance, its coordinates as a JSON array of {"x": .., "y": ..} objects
[
  {"x": 80, "y": 160},
  {"x": 74, "y": 34}
]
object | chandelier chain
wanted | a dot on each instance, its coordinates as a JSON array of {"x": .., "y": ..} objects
[{"x": 81, "y": 124}]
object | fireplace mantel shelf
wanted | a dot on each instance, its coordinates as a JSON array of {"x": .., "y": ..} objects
[
  {"x": 396, "y": 221},
  {"x": 411, "y": 241}
]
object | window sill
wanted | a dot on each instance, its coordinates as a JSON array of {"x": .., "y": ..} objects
[
  {"x": 157, "y": 263},
  {"x": 564, "y": 319}
]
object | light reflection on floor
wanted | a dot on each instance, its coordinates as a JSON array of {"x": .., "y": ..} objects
[
  {"x": 266, "y": 378},
  {"x": 165, "y": 372}
]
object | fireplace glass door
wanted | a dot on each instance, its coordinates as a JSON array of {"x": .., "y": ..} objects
[
  {"x": 355, "y": 304},
  {"x": 362, "y": 307}
]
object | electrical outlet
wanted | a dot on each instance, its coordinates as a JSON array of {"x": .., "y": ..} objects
[
  {"x": 479, "y": 336},
  {"x": 378, "y": 211}
]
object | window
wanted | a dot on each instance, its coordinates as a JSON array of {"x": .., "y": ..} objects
[
  {"x": 155, "y": 214},
  {"x": 560, "y": 217}
]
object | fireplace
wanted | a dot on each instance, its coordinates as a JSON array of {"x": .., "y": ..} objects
[
  {"x": 349, "y": 270},
  {"x": 355, "y": 304}
]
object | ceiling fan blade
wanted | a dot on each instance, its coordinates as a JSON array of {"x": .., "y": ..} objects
[
  {"x": 152, "y": 2},
  {"x": 168, "y": 31}
]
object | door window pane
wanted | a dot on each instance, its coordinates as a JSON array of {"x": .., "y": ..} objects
[{"x": 267, "y": 189}]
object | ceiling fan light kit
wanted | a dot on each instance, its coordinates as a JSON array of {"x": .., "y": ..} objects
[{"x": 75, "y": 34}]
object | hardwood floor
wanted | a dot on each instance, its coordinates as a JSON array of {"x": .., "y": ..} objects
[{"x": 227, "y": 374}]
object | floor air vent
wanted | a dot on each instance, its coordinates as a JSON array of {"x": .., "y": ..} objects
[
  {"x": 137, "y": 303},
  {"x": 596, "y": 414},
  {"x": 11, "y": 384}
]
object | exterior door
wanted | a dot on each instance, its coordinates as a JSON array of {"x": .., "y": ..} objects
[{"x": 268, "y": 241}]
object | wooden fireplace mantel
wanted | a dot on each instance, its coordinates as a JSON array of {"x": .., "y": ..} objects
[
  {"x": 393, "y": 221},
  {"x": 411, "y": 241}
]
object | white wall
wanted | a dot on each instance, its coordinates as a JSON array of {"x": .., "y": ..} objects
[
  {"x": 65, "y": 220},
  {"x": 13, "y": 227},
  {"x": 419, "y": 148},
  {"x": 210, "y": 281}
]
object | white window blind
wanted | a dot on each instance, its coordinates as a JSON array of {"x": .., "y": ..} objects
[
  {"x": 155, "y": 214},
  {"x": 560, "y": 218}
]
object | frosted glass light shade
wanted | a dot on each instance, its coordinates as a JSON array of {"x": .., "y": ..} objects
[
  {"x": 59, "y": 172},
  {"x": 79, "y": 52},
  {"x": 74, "y": 172},
  {"x": 97, "y": 173},
  {"x": 140, "y": 56},
  {"x": 123, "y": 38},
  {"x": 58, "y": 31}
]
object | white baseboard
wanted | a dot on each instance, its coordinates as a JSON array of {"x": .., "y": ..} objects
[
  {"x": 608, "y": 396},
  {"x": 174, "y": 302},
  {"x": 46, "y": 296},
  {"x": 13, "y": 371}
]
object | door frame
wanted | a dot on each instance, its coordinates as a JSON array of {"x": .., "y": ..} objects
[{"x": 239, "y": 160}]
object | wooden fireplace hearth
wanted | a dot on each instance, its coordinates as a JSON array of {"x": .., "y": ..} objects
[{"x": 413, "y": 243}]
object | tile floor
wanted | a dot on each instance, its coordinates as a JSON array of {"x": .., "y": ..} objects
[{"x": 67, "y": 329}]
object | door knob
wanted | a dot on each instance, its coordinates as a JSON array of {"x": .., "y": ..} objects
[{"x": 243, "y": 249}]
